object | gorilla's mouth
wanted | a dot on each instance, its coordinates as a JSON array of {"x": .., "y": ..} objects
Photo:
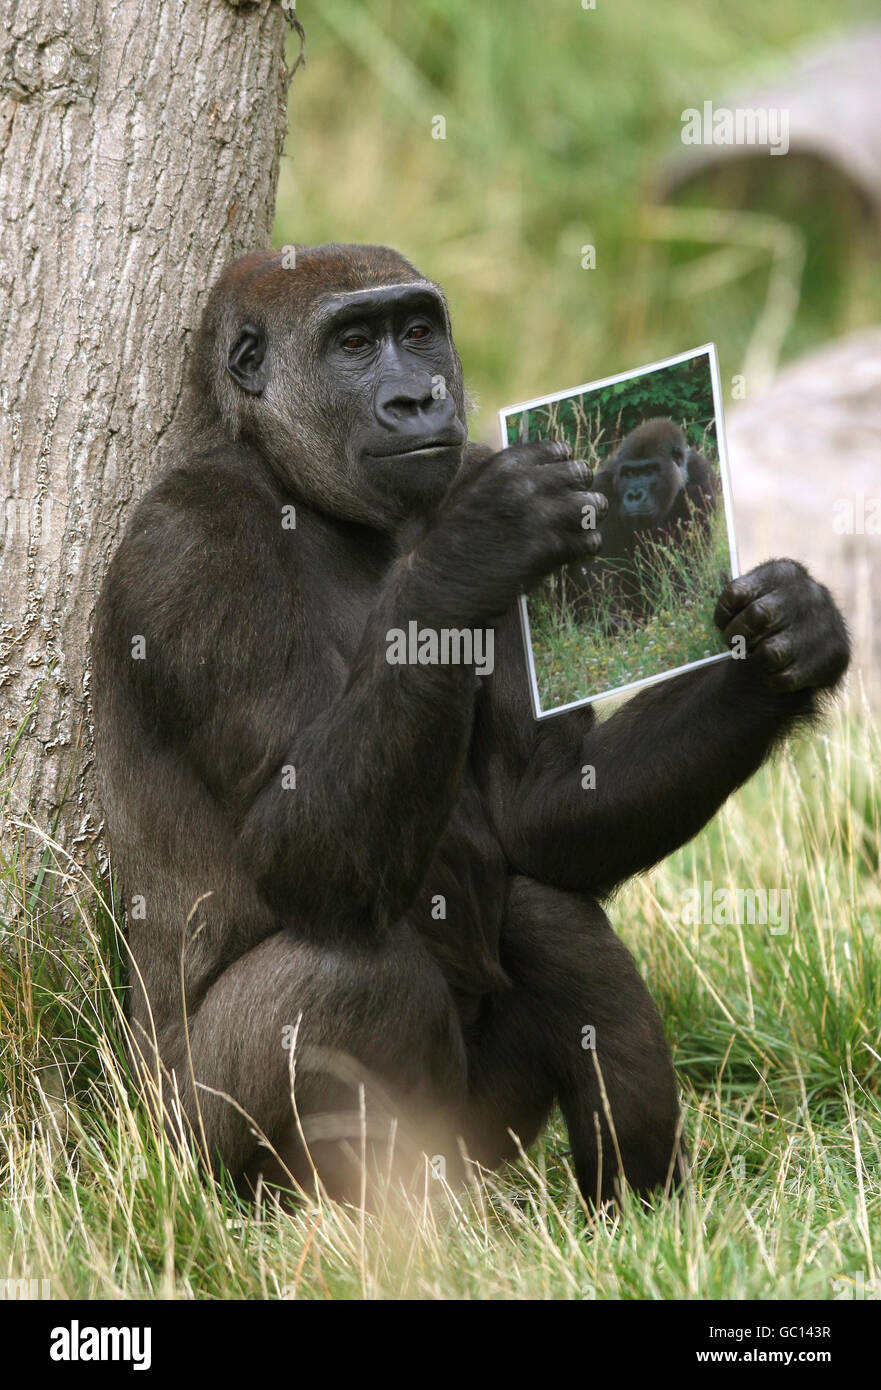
[{"x": 419, "y": 450}]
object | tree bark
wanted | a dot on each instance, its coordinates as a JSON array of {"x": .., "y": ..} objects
[{"x": 139, "y": 149}]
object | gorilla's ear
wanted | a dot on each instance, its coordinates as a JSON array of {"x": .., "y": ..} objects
[{"x": 245, "y": 361}]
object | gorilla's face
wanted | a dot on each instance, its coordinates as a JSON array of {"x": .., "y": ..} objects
[
  {"x": 647, "y": 490},
  {"x": 355, "y": 394},
  {"x": 388, "y": 355},
  {"x": 647, "y": 474}
]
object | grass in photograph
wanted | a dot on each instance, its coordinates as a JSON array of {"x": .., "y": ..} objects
[{"x": 580, "y": 652}]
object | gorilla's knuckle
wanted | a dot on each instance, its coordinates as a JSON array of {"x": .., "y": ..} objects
[
  {"x": 555, "y": 449},
  {"x": 785, "y": 572},
  {"x": 764, "y": 612},
  {"x": 776, "y": 651},
  {"x": 503, "y": 467}
]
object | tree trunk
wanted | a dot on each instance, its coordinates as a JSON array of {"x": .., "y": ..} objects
[{"x": 139, "y": 149}]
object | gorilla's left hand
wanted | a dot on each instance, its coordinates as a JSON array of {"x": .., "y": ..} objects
[{"x": 795, "y": 636}]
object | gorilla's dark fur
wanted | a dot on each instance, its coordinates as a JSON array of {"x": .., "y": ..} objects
[{"x": 392, "y": 873}]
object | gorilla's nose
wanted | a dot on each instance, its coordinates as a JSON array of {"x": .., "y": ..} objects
[{"x": 414, "y": 406}]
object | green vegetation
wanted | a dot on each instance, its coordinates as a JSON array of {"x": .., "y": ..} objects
[
  {"x": 776, "y": 1038},
  {"x": 604, "y": 648},
  {"x": 596, "y": 421},
  {"x": 558, "y": 120}
]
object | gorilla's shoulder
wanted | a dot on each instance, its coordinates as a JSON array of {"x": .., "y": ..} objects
[
  {"x": 216, "y": 477},
  {"x": 205, "y": 519}
]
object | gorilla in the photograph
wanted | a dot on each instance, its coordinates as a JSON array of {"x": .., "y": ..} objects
[
  {"x": 654, "y": 481},
  {"x": 658, "y": 489},
  {"x": 364, "y": 898}
]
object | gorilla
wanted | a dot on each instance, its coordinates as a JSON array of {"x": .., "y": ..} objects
[
  {"x": 654, "y": 481},
  {"x": 657, "y": 488},
  {"x": 364, "y": 895}
]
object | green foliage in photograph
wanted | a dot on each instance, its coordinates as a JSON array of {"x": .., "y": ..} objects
[{"x": 683, "y": 392}]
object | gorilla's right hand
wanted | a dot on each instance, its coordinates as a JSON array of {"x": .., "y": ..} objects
[{"x": 506, "y": 523}]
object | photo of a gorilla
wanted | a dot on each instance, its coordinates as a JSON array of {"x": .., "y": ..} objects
[
  {"x": 379, "y": 886},
  {"x": 658, "y": 489}
]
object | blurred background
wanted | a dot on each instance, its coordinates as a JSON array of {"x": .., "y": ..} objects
[{"x": 562, "y": 131}]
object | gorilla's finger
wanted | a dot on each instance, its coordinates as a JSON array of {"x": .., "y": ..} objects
[
  {"x": 774, "y": 653},
  {"x": 789, "y": 679},
  {"x": 759, "y": 619},
  {"x": 540, "y": 454},
  {"x": 738, "y": 595},
  {"x": 553, "y": 449}
]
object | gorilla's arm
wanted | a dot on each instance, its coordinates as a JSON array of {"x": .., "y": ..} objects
[
  {"x": 700, "y": 492},
  {"x": 244, "y": 675},
  {"x": 268, "y": 673},
  {"x": 666, "y": 760}
]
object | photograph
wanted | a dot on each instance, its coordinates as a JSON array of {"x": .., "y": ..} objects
[
  {"x": 440, "y": 801},
  {"x": 643, "y": 607}
]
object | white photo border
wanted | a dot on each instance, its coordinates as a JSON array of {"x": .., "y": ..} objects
[{"x": 706, "y": 350}]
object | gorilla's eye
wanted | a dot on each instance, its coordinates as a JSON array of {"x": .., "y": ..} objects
[
  {"x": 353, "y": 342},
  {"x": 419, "y": 330}
]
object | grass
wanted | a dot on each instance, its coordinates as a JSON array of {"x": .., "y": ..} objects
[
  {"x": 777, "y": 1042},
  {"x": 588, "y": 650},
  {"x": 555, "y": 130}
]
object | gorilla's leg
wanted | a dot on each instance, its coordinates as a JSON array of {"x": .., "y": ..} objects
[
  {"x": 580, "y": 1025},
  {"x": 370, "y": 1037}
]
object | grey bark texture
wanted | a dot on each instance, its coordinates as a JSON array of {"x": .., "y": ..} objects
[{"x": 139, "y": 150}]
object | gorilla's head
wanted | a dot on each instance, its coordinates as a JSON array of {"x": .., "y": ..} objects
[
  {"x": 645, "y": 475},
  {"x": 338, "y": 362}
]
